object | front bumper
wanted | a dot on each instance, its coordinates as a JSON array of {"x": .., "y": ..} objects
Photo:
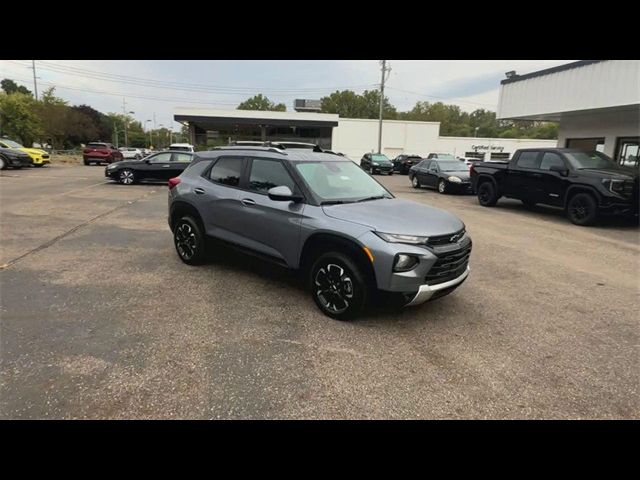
[
  {"x": 25, "y": 161},
  {"x": 464, "y": 187},
  {"x": 381, "y": 169},
  {"x": 426, "y": 292}
]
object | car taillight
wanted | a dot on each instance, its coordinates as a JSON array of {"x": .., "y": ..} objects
[
  {"x": 471, "y": 170},
  {"x": 173, "y": 182}
]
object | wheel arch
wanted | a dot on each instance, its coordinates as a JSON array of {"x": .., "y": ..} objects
[
  {"x": 575, "y": 189},
  {"x": 322, "y": 242},
  {"x": 179, "y": 209}
]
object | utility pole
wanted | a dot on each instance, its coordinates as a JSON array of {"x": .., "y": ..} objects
[
  {"x": 35, "y": 83},
  {"x": 385, "y": 69},
  {"x": 124, "y": 113}
]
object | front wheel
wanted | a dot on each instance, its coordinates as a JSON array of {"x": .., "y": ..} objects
[
  {"x": 582, "y": 209},
  {"x": 415, "y": 183},
  {"x": 487, "y": 195},
  {"x": 189, "y": 241},
  {"x": 127, "y": 177},
  {"x": 442, "y": 186},
  {"x": 338, "y": 286},
  {"x": 2, "y": 164}
]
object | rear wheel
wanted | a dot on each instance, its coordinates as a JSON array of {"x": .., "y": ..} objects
[
  {"x": 415, "y": 183},
  {"x": 127, "y": 177},
  {"x": 189, "y": 241},
  {"x": 487, "y": 195},
  {"x": 582, "y": 209},
  {"x": 338, "y": 286}
]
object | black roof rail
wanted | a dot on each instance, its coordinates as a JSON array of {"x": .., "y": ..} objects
[{"x": 251, "y": 147}]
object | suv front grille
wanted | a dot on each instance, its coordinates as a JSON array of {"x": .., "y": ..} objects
[
  {"x": 449, "y": 265},
  {"x": 445, "y": 239}
]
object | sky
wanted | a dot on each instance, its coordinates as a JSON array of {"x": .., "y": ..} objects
[{"x": 155, "y": 87}]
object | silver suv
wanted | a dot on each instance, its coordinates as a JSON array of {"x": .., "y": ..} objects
[{"x": 321, "y": 214}]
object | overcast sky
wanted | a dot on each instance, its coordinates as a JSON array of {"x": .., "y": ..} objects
[{"x": 158, "y": 86}]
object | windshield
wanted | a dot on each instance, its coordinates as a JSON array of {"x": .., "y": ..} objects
[
  {"x": 589, "y": 160},
  {"x": 340, "y": 181},
  {"x": 454, "y": 166},
  {"x": 445, "y": 156},
  {"x": 11, "y": 143},
  {"x": 379, "y": 158}
]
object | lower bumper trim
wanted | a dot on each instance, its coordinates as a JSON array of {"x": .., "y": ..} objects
[{"x": 425, "y": 292}]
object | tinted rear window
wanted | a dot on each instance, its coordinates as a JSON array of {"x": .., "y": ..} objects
[
  {"x": 227, "y": 171},
  {"x": 97, "y": 145}
]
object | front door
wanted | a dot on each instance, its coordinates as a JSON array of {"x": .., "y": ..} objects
[
  {"x": 549, "y": 188},
  {"x": 157, "y": 166},
  {"x": 270, "y": 227}
]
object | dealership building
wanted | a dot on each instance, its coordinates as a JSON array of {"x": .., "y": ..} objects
[
  {"x": 352, "y": 136},
  {"x": 595, "y": 102}
]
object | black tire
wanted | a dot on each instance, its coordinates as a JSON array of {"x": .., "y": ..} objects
[
  {"x": 345, "y": 291},
  {"x": 582, "y": 209},
  {"x": 87, "y": 162},
  {"x": 487, "y": 195},
  {"x": 391, "y": 173},
  {"x": 415, "y": 182},
  {"x": 126, "y": 176},
  {"x": 38, "y": 165},
  {"x": 189, "y": 240},
  {"x": 442, "y": 186}
]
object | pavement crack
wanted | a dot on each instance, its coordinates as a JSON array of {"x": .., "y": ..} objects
[{"x": 73, "y": 230}]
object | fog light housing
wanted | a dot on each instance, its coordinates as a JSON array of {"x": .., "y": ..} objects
[{"x": 404, "y": 262}]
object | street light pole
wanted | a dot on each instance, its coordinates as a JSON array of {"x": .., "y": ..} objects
[
  {"x": 35, "y": 83},
  {"x": 382, "y": 80}
]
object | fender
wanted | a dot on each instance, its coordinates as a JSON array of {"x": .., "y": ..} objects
[{"x": 582, "y": 187}]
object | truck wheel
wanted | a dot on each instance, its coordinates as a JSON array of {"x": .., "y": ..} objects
[
  {"x": 189, "y": 241},
  {"x": 415, "y": 183},
  {"x": 582, "y": 209},
  {"x": 487, "y": 195},
  {"x": 338, "y": 286}
]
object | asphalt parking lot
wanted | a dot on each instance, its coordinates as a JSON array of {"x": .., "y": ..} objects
[{"x": 100, "y": 319}]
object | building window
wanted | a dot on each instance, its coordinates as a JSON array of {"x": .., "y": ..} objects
[
  {"x": 627, "y": 151},
  {"x": 586, "y": 144}
]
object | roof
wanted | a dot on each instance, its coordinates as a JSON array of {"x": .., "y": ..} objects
[
  {"x": 254, "y": 117},
  {"x": 271, "y": 152},
  {"x": 548, "y": 71}
]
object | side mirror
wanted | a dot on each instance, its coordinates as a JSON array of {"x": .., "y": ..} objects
[
  {"x": 147, "y": 160},
  {"x": 562, "y": 170},
  {"x": 283, "y": 194}
]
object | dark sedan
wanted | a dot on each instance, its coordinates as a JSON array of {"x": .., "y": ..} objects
[
  {"x": 403, "y": 163},
  {"x": 10, "y": 157},
  {"x": 447, "y": 176},
  {"x": 160, "y": 166}
]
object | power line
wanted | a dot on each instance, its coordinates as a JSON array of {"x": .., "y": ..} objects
[{"x": 82, "y": 72}]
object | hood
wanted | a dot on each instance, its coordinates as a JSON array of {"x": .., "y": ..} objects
[
  {"x": 124, "y": 163},
  {"x": 33, "y": 151},
  {"x": 397, "y": 216},
  {"x": 617, "y": 172}
]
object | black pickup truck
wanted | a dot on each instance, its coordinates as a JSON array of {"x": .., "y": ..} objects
[{"x": 585, "y": 184}]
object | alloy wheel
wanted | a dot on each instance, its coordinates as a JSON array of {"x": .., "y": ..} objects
[
  {"x": 126, "y": 177},
  {"x": 334, "y": 288},
  {"x": 186, "y": 241},
  {"x": 579, "y": 209},
  {"x": 442, "y": 187}
]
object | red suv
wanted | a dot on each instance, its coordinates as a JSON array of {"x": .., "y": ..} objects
[{"x": 98, "y": 153}]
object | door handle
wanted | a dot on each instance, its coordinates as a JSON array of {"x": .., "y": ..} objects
[
  {"x": 166, "y": 166},
  {"x": 248, "y": 201},
  {"x": 199, "y": 191}
]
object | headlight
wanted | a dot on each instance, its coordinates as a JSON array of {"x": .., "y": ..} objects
[
  {"x": 615, "y": 186},
  {"x": 404, "y": 262},
  {"x": 111, "y": 166},
  {"x": 398, "y": 238},
  {"x": 454, "y": 180}
]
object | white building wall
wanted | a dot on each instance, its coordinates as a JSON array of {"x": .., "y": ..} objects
[
  {"x": 355, "y": 137},
  {"x": 607, "y": 84},
  {"x": 610, "y": 125}
]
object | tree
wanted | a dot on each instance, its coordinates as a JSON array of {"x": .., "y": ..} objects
[
  {"x": 18, "y": 118},
  {"x": 103, "y": 127},
  {"x": 349, "y": 104},
  {"x": 9, "y": 86},
  {"x": 260, "y": 102}
]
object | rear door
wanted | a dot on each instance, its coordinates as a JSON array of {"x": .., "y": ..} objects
[
  {"x": 270, "y": 227},
  {"x": 550, "y": 186},
  {"x": 421, "y": 171},
  {"x": 179, "y": 161},
  {"x": 219, "y": 190},
  {"x": 431, "y": 177},
  {"x": 522, "y": 176}
]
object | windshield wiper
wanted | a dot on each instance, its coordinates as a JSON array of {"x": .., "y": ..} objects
[
  {"x": 335, "y": 202},
  {"x": 377, "y": 197}
]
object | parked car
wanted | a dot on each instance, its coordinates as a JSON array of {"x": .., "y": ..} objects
[
  {"x": 468, "y": 161},
  {"x": 131, "y": 153},
  {"x": 402, "y": 163},
  {"x": 376, "y": 163},
  {"x": 11, "y": 157},
  {"x": 584, "y": 184},
  {"x": 39, "y": 157},
  {"x": 441, "y": 156},
  {"x": 159, "y": 166},
  {"x": 99, "y": 152},
  {"x": 447, "y": 176},
  {"x": 181, "y": 147},
  {"x": 322, "y": 215}
]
